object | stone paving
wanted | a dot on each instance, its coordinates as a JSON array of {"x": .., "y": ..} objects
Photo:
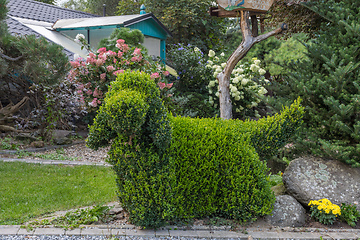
[
  {"x": 129, "y": 230},
  {"x": 54, "y": 162}
]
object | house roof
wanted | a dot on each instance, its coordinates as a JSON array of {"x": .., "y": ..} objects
[
  {"x": 103, "y": 22},
  {"x": 39, "y": 11},
  {"x": 26, "y": 17}
]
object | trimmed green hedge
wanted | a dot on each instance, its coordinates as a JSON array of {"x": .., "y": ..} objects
[{"x": 175, "y": 168}]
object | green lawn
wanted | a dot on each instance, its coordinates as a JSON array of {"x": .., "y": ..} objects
[{"x": 31, "y": 190}]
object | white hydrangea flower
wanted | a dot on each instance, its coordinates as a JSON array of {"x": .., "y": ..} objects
[
  {"x": 212, "y": 83},
  {"x": 211, "y": 53},
  {"x": 262, "y": 91},
  {"x": 215, "y": 74},
  {"x": 257, "y": 62},
  {"x": 219, "y": 69},
  {"x": 254, "y": 67},
  {"x": 235, "y": 80},
  {"x": 244, "y": 81},
  {"x": 217, "y": 94},
  {"x": 210, "y": 62},
  {"x": 222, "y": 54},
  {"x": 262, "y": 71},
  {"x": 237, "y": 98},
  {"x": 78, "y": 37},
  {"x": 196, "y": 49},
  {"x": 223, "y": 65},
  {"x": 216, "y": 58}
]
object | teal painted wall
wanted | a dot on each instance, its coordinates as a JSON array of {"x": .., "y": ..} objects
[{"x": 151, "y": 28}]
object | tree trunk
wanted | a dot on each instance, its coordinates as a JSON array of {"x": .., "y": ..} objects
[{"x": 248, "y": 41}]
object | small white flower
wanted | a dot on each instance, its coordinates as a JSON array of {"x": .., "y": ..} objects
[
  {"x": 254, "y": 67},
  {"x": 257, "y": 62},
  {"x": 266, "y": 81},
  {"x": 262, "y": 91},
  {"x": 262, "y": 71},
  {"x": 237, "y": 98},
  {"x": 223, "y": 65},
  {"x": 215, "y": 74},
  {"x": 244, "y": 81},
  {"x": 217, "y": 94},
  {"x": 210, "y": 62},
  {"x": 196, "y": 49},
  {"x": 216, "y": 58},
  {"x": 211, "y": 53},
  {"x": 235, "y": 80},
  {"x": 222, "y": 54},
  {"x": 78, "y": 37}
]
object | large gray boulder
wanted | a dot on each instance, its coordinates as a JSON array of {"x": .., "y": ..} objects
[
  {"x": 287, "y": 212},
  {"x": 310, "y": 178}
]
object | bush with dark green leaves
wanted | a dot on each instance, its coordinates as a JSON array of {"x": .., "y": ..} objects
[{"x": 178, "y": 168}]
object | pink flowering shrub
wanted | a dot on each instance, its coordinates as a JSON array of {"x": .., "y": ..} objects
[{"x": 92, "y": 76}]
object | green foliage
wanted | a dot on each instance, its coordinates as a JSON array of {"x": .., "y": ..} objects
[
  {"x": 290, "y": 51},
  {"x": 328, "y": 81},
  {"x": 178, "y": 168},
  {"x": 349, "y": 214},
  {"x": 270, "y": 134},
  {"x": 133, "y": 37},
  {"x": 137, "y": 152},
  {"x": 189, "y": 22},
  {"x": 128, "y": 7},
  {"x": 190, "y": 94},
  {"x": 217, "y": 171},
  {"x": 97, "y": 7},
  {"x": 7, "y": 144},
  {"x": 74, "y": 219}
]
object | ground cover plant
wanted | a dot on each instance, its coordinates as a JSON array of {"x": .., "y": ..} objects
[
  {"x": 31, "y": 190},
  {"x": 175, "y": 168}
]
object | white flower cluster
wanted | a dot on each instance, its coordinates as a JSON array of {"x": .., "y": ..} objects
[
  {"x": 79, "y": 37},
  {"x": 246, "y": 83}
]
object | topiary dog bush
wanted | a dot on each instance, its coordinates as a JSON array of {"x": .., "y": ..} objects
[{"x": 176, "y": 168}]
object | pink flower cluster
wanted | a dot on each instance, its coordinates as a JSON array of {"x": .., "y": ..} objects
[{"x": 94, "y": 75}]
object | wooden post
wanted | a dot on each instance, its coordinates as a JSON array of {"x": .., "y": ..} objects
[{"x": 248, "y": 41}]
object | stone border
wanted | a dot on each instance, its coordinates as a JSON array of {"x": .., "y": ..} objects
[
  {"x": 51, "y": 147},
  {"x": 129, "y": 230}
]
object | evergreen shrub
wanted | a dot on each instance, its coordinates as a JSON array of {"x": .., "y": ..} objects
[
  {"x": 177, "y": 168},
  {"x": 217, "y": 171}
]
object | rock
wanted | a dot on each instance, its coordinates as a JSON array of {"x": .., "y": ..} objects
[
  {"x": 279, "y": 189},
  {"x": 287, "y": 212},
  {"x": 25, "y": 136},
  {"x": 115, "y": 210},
  {"x": 61, "y": 137},
  {"x": 310, "y": 178},
  {"x": 62, "y": 141},
  {"x": 37, "y": 144}
]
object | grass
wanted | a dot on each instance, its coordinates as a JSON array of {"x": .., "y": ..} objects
[{"x": 31, "y": 190}]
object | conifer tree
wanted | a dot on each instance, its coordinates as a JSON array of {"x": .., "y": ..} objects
[{"x": 328, "y": 81}]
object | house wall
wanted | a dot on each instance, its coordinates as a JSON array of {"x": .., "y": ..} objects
[{"x": 152, "y": 45}]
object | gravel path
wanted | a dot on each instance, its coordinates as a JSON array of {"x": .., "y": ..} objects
[{"x": 64, "y": 237}]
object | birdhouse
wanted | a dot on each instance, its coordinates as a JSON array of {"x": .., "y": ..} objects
[{"x": 247, "y": 5}]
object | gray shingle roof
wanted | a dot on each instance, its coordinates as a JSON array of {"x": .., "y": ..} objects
[
  {"x": 39, "y": 11},
  {"x": 17, "y": 28},
  {"x": 33, "y": 10}
]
